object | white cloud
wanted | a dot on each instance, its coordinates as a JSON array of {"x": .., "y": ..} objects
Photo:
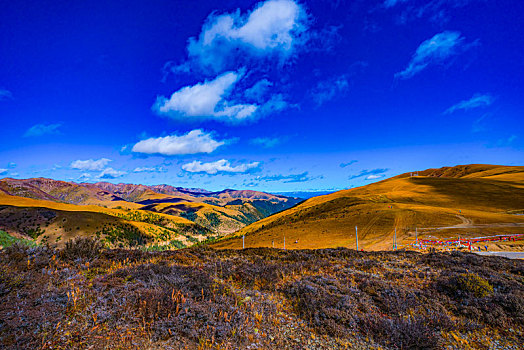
[
  {"x": 478, "y": 100},
  {"x": 90, "y": 164},
  {"x": 110, "y": 173},
  {"x": 291, "y": 178},
  {"x": 218, "y": 166},
  {"x": 273, "y": 28},
  {"x": 84, "y": 177},
  {"x": 370, "y": 174},
  {"x": 149, "y": 169},
  {"x": 3, "y": 171},
  {"x": 435, "y": 50},
  {"x": 195, "y": 141},
  {"x": 374, "y": 177},
  {"x": 43, "y": 129},
  {"x": 206, "y": 100}
]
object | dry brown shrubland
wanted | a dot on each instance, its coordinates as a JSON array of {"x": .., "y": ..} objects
[{"x": 84, "y": 297}]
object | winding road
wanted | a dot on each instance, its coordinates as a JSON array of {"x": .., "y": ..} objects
[{"x": 509, "y": 255}]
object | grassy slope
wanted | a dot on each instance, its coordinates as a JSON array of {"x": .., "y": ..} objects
[
  {"x": 222, "y": 212},
  {"x": 22, "y": 214},
  {"x": 470, "y": 196},
  {"x": 6, "y": 240},
  {"x": 226, "y": 219}
]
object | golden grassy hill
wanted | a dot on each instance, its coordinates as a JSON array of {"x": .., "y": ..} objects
[
  {"x": 221, "y": 219},
  {"x": 57, "y": 223},
  {"x": 194, "y": 212},
  {"x": 467, "y": 200}
]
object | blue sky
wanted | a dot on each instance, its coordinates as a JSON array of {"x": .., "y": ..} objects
[{"x": 276, "y": 95}]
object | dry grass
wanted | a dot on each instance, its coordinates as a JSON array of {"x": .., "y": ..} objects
[
  {"x": 200, "y": 298},
  {"x": 474, "y": 201}
]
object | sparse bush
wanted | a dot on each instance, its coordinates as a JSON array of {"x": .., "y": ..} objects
[
  {"x": 264, "y": 298},
  {"x": 17, "y": 252},
  {"x": 399, "y": 333},
  {"x": 320, "y": 301},
  {"x": 84, "y": 248},
  {"x": 467, "y": 284}
]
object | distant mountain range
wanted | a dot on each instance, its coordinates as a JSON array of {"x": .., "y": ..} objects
[
  {"x": 134, "y": 214},
  {"x": 464, "y": 200}
]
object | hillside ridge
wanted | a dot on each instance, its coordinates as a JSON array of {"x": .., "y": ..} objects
[{"x": 432, "y": 202}]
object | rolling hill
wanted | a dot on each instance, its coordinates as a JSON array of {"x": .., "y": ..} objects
[
  {"x": 465, "y": 200},
  {"x": 128, "y": 214}
]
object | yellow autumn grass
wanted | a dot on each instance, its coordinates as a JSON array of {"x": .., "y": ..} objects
[{"x": 465, "y": 200}]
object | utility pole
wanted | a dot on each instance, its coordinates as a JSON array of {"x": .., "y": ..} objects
[
  {"x": 395, "y": 240},
  {"x": 356, "y": 235},
  {"x": 243, "y": 237},
  {"x": 416, "y": 237}
]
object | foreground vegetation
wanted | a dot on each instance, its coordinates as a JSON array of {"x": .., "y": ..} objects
[{"x": 84, "y": 296}]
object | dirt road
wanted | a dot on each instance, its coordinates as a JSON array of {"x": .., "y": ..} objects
[{"x": 509, "y": 255}]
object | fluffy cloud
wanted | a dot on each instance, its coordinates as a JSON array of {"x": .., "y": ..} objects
[
  {"x": 273, "y": 28},
  {"x": 110, "y": 173},
  {"x": 5, "y": 95},
  {"x": 149, "y": 169},
  {"x": 374, "y": 177},
  {"x": 221, "y": 165},
  {"x": 433, "y": 51},
  {"x": 266, "y": 142},
  {"x": 210, "y": 100},
  {"x": 206, "y": 100},
  {"x": 270, "y": 33},
  {"x": 478, "y": 100},
  {"x": 90, "y": 164},
  {"x": 193, "y": 142},
  {"x": 43, "y": 129},
  {"x": 84, "y": 177},
  {"x": 369, "y": 173},
  {"x": 3, "y": 171},
  {"x": 327, "y": 90}
]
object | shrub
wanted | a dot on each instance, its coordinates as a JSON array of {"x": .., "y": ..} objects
[
  {"x": 398, "y": 333},
  {"x": 6, "y": 240},
  {"x": 85, "y": 248},
  {"x": 469, "y": 284},
  {"x": 17, "y": 252},
  {"x": 321, "y": 302}
]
